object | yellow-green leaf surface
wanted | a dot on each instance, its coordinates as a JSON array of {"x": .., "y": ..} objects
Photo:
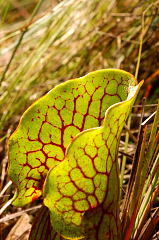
[
  {"x": 49, "y": 125},
  {"x": 88, "y": 177}
]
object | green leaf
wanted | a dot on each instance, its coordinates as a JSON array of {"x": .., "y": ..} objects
[
  {"x": 49, "y": 125},
  {"x": 88, "y": 176}
]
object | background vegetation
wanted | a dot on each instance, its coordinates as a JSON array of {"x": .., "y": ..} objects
[{"x": 46, "y": 42}]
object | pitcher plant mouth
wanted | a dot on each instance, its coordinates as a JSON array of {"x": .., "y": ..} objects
[
  {"x": 65, "y": 145},
  {"x": 86, "y": 171}
]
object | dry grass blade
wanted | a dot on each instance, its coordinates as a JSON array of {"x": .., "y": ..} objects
[
  {"x": 125, "y": 218},
  {"x": 146, "y": 212},
  {"x": 21, "y": 228},
  {"x": 150, "y": 226},
  {"x": 18, "y": 214},
  {"x": 152, "y": 141},
  {"x": 143, "y": 192},
  {"x": 5, "y": 188}
]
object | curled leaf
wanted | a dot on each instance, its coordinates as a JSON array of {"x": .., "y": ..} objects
[
  {"x": 49, "y": 125},
  {"x": 89, "y": 176}
]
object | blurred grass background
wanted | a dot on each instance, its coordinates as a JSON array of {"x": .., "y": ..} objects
[{"x": 60, "y": 40}]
